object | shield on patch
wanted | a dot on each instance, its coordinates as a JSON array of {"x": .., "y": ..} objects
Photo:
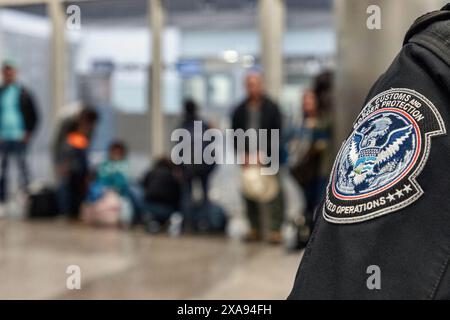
[{"x": 375, "y": 171}]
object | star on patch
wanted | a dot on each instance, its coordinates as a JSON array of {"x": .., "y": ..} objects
[
  {"x": 407, "y": 188},
  {"x": 391, "y": 197},
  {"x": 398, "y": 193}
]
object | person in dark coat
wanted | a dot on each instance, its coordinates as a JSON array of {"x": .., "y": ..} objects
[
  {"x": 258, "y": 111},
  {"x": 200, "y": 172}
]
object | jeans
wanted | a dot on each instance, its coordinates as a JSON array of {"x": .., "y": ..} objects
[
  {"x": 17, "y": 150},
  {"x": 189, "y": 206},
  {"x": 204, "y": 182},
  {"x": 71, "y": 193}
]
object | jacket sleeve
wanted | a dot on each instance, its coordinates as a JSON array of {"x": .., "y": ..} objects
[
  {"x": 235, "y": 118},
  {"x": 277, "y": 118},
  {"x": 29, "y": 109},
  {"x": 236, "y": 122}
]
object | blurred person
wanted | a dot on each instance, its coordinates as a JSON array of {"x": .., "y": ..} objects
[
  {"x": 309, "y": 144},
  {"x": 18, "y": 120},
  {"x": 193, "y": 172},
  {"x": 258, "y": 111},
  {"x": 162, "y": 196},
  {"x": 72, "y": 163},
  {"x": 67, "y": 124},
  {"x": 112, "y": 175},
  {"x": 324, "y": 90}
]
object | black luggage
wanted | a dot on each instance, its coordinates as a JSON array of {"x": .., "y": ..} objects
[
  {"x": 209, "y": 217},
  {"x": 43, "y": 204}
]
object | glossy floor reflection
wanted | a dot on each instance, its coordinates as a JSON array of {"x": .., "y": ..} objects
[{"x": 119, "y": 264}]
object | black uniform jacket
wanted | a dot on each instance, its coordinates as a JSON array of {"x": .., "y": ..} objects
[{"x": 383, "y": 229}]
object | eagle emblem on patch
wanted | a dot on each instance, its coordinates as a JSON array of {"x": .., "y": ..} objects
[{"x": 376, "y": 168}]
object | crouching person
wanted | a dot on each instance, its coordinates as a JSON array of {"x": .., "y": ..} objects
[
  {"x": 109, "y": 200},
  {"x": 162, "y": 193}
]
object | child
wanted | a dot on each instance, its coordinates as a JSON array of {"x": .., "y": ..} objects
[
  {"x": 113, "y": 173},
  {"x": 110, "y": 190}
]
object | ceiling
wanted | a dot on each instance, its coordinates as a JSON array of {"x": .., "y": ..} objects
[{"x": 196, "y": 14}]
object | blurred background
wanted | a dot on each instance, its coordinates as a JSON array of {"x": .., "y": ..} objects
[{"x": 136, "y": 62}]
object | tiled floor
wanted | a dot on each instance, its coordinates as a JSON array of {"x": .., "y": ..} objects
[{"x": 119, "y": 264}]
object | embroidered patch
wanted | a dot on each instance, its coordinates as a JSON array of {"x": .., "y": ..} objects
[{"x": 375, "y": 171}]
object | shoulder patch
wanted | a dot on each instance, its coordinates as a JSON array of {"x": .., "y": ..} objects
[{"x": 376, "y": 168}]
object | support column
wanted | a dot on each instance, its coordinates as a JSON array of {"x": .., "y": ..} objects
[
  {"x": 271, "y": 25},
  {"x": 157, "y": 132},
  {"x": 58, "y": 59}
]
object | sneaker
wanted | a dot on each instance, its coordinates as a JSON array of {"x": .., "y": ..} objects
[
  {"x": 17, "y": 205},
  {"x": 175, "y": 225}
]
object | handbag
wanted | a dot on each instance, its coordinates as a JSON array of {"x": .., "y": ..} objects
[{"x": 258, "y": 187}]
